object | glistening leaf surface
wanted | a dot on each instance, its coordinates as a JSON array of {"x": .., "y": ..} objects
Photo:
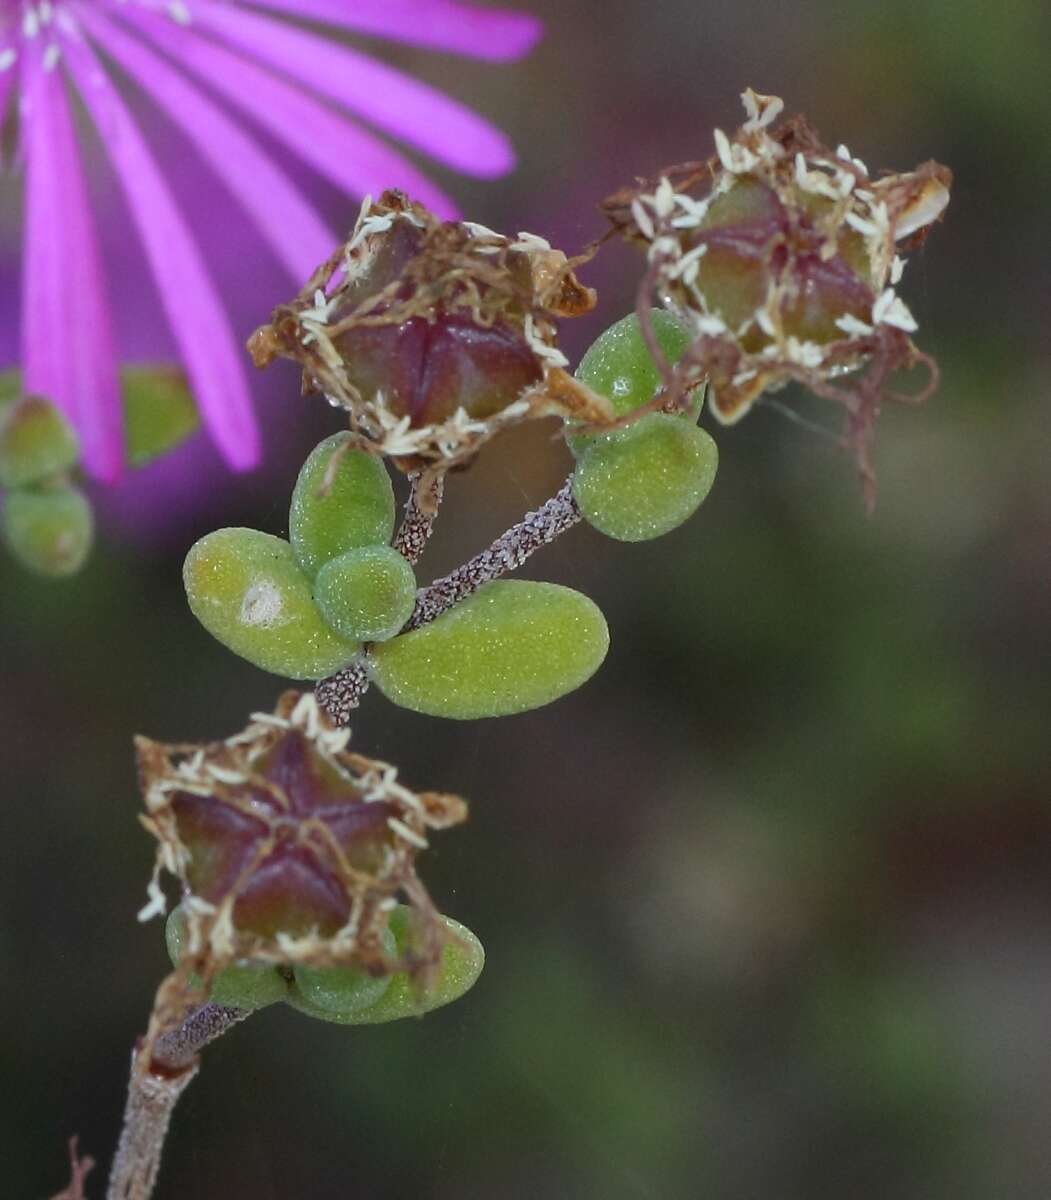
[
  {"x": 339, "y": 503},
  {"x": 248, "y": 592},
  {"x": 641, "y": 482},
  {"x": 512, "y": 646}
]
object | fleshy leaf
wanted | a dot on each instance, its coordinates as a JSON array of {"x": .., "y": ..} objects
[
  {"x": 618, "y": 366},
  {"x": 512, "y": 646},
  {"x": 462, "y": 960},
  {"x": 367, "y": 594},
  {"x": 247, "y": 591},
  {"x": 49, "y": 530},
  {"x": 10, "y": 389},
  {"x": 339, "y": 506},
  {"x": 641, "y": 482},
  {"x": 159, "y": 412},
  {"x": 36, "y": 441},
  {"x": 342, "y": 992},
  {"x": 247, "y": 985}
]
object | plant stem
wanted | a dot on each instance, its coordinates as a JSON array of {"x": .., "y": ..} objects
[
  {"x": 507, "y": 553},
  {"x": 341, "y": 693},
  {"x": 421, "y": 510},
  {"x": 157, "y": 1081}
]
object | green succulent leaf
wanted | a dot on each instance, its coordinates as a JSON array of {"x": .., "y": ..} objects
[
  {"x": 49, "y": 530},
  {"x": 461, "y": 964},
  {"x": 334, "y": 512},
  {"x": 10, "y": 389},
  {"x": 366, "y": 594},
  {"x": 342, "y": 992},
  {"x": 36, "y": 441},
  {"x": 159, "y": 411},
  {"x": 247, "y": 985},
  {"x": 248, "y": 592},
  {"x": 641, "y": 482},
  {"x": 512, "y": 646},
  {"x": 618, "y": 366}
]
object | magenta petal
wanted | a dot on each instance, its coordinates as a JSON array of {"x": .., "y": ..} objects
[
  {"x": 336, "y": 147},
  {"x": 496, "y": 34},
  {"x": 298, "y": 236},
  {"x": 67, "y": 344},
  {"x": 397, "y": 103},
  {"x": 198, "y": 320}
]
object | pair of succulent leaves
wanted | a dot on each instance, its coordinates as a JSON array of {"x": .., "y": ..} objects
[{"x": 304, "y": 607}]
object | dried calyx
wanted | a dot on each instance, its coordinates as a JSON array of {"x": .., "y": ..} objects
[
  {"x": 434, "y": 335},
  {"x": 293, "y": 852},
  {"x": 783, "y": 257}
]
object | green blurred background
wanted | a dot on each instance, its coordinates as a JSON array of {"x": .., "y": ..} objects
[{"x": 766, "y": 903}]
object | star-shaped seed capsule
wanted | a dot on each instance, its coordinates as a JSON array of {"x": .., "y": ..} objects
[
  {"x": 434, "y": 335},
  {"x": 291, "y": 849},
  {"x": 782, "y": 256}
]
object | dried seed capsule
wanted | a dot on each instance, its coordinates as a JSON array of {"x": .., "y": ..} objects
[
  {"x": 247, "y": 591},
  {"x": 366, "y": 595},
  {"x": 618, "y": 366},
  {"x": 434, "y": 334},
  {"x": 49, "y": 530},
  {"x": 641, "y": 482},
  {"x": 343, "y": 499},
  {"x": 36, "y": 441},
  {"x": 247, "y": 985},
  {"x": 462, "y": 959},
  {"x": 512, "y": 646},
  {"x": 783, "y": 255}
]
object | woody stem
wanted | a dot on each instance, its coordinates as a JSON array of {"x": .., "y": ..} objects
[{"x": 158, "y": 1079}]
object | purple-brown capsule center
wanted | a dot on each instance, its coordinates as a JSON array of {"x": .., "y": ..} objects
[
  {"x": 283, "y": 842},
  {"x": 427, "y": 369},
  {"x": 429, "y": 365},
  {"x": 752, "y": 244}
]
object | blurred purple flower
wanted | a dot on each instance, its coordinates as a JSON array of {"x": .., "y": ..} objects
[{"x": 272, "y": 73}]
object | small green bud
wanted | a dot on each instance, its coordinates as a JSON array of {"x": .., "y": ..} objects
[
  {"x": 247, "y": 985},
  {"x": 159, "y": 412},
  {"x": 49, "y": 530},
  {"x": 367, "y": 594},
  {"x": 247, "y": 591},
  {"x": 10, "y": 389},
  {"x": 512, "y": 646},
  {"x": 618, "y": 366},
  {"x": 461, "y": 964},
  {"x": 36, "y": 441},
  {"x": 329, "y": 515},
  {"x": 641, "y": 482}
]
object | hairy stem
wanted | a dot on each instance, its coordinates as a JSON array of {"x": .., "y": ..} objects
[
  {"x": 341, "y": 693},
  {"x": 421, "y": 510},
  {"x": 158, "y": 1079},
  {"x": 507, "y": 553}
]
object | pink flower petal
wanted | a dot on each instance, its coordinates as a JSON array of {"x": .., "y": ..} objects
[
  {"x": 67, "y": 344},
  {"x": 334, "y": 146},
  {"x": 198, "y": 320},
  {"x": 397, "y": 103},
  {"x": 298, "y": 236},
  {"x": 495, "y": 34}
]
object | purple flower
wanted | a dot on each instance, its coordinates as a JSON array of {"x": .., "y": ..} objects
[{"x": 281, "y": 79}]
